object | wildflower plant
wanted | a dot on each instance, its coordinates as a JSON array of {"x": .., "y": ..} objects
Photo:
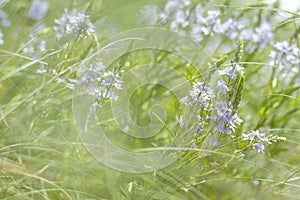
[{"x": 203, "y": 104}]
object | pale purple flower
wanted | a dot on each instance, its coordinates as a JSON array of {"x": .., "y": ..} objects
[
  {"x": 99, "y": 82},
  {"x": 226, "y": 120},
  {"x": 258, "y": 138},
  {"x": 196, "y": 18},
  {"x": 212, "y": 23},
  {"x": 262, "y": 137},
  {"x": 92, "y": 73},
  {"x": 185, "y": 100},
  {"x": 110, "y": 78},
  {"x": 180, "y": 19},
  {"x": 4, "y": 19},
  {"x": 38, "y": 10},
  {"x": 201, "y": 95},
  {"x": 255, "y": 182},
  {"x": 34, "y": 46},
  {"x": 214, "y": 142},
  {"x": 259, "y": 38},
  {"x": 30, "y": 51},
  {"x": 149, "y": 14},
  {"x": 193, "y": 145},
  {"x": 231, "y": 71},
  {"x": 285, "y": 53},
  {"x": 108, "y": 93},
  {"x": 196, "y": 32},
  {"x": 70, "y": 86},
  {"x": 199, "y": 128},
  {"x": 1, "y": 35},
  {"x": 250, "y": 136},
  {"x": 222, "y": 86},
  {"x": 41, "y": 69},
  {"x": 171, "y": 7},
  {"x": 197, "y": 14},
  {"x": 95, "y": 106},
  {"x": 231, "y": 28},
  {"x": 180, "y": 120},
  {"x": 247, "y": 34},
  {"x": 259, "y": 147},
  {"x": 176, "y": 12},
  {"x": 42, "y": 45},
  {"x": 285, "y": 58},
  {"x": 73, "y": 24},
  {"x": 221, "y": 126},
  {"x": 200, "y": 125},
  {"x": 212, "y": 17},
  {"x": 263, "y": 35}
]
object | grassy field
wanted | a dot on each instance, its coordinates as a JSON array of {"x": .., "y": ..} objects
[{"x": 178, "y": 99}]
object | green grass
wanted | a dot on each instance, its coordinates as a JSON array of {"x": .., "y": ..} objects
[{"x": 43, "y": 157}]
